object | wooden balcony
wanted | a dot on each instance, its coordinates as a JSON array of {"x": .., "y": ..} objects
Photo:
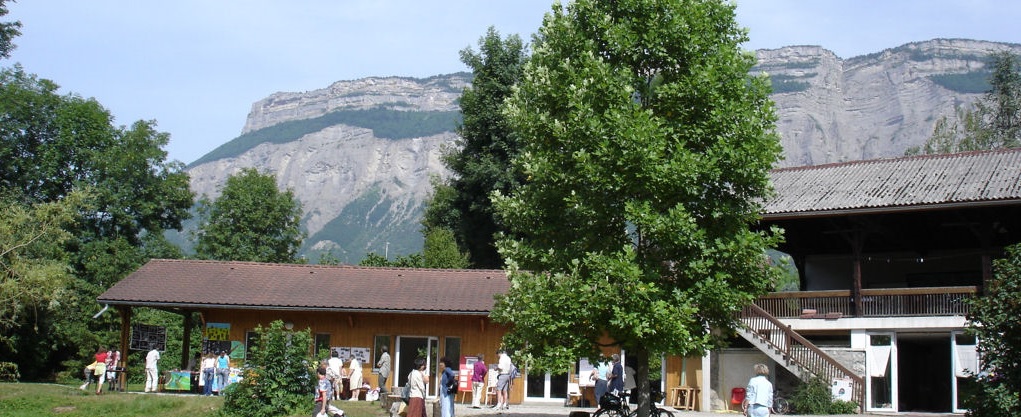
[{"x": 885, "y": 302}]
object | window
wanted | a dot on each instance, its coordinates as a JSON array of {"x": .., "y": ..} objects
[
  {"x": 377, "y": 350},
  {"x": 322, "y": 345}
]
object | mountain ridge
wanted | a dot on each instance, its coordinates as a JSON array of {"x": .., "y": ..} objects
[{"x": 363, "y": 193}]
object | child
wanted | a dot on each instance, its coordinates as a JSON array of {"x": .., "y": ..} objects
[{"x": 323, "y": 392}]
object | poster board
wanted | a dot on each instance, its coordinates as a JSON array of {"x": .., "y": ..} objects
[
  {"x": 841, "y": 389},
  {"x": 362, "y": 354},
  {"x": 216, "y": 338},
  {"x": 178, "y": 381},
  {"x": 145, "y": 337},
  {"x": 466, "y": 369}
]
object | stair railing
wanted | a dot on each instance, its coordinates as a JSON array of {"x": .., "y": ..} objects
[{"x": 799, "y": 350}]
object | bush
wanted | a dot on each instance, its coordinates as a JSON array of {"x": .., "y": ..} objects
[
  {"x": 9, "y": 372},
  {"x": 814, "y": 397},
  {"x": 277, "y": 377}
]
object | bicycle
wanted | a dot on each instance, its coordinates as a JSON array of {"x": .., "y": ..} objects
[
  {"x": 780, "y": 406},
  {"x": 613, "y": 405}
]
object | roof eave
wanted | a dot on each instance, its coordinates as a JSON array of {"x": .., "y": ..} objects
[
  {"x": 886, "y": 209},
  {"x": 196, "y": 306}
]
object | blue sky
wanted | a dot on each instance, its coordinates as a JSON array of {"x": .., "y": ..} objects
[{"x": 196, "y": 66}]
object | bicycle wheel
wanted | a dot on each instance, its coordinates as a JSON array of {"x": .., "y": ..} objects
[
  {"x": 660, "y": 412},
  {"x": 609, "y": 412},
  {"x": 781, "y": 406}
]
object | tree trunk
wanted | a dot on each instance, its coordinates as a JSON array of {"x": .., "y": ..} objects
[{"x": 641, "y": 390}]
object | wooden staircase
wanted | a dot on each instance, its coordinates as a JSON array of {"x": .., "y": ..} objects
[{"x": 795, "y": 353}]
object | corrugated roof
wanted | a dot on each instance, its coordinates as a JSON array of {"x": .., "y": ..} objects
[
  {"x": 893, "y": 184},
  {"x": 194, "y": 284}
]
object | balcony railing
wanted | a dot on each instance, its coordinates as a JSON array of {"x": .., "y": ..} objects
[{"x": 878, "y": 302}]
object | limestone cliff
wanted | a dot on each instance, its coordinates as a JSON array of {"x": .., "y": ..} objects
[{"x": 362, "y": 192}]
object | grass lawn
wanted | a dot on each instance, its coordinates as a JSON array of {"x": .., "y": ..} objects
[{"x": 32, "y": 400}]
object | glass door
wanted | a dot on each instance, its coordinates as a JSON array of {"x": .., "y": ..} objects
[
  {"x": 964, "y": 356},
  {"x": 411, "y": 347},
  {"x": 881, "y": 372}
]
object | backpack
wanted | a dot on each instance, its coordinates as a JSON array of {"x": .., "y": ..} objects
[{"x": 514, "y": 373}]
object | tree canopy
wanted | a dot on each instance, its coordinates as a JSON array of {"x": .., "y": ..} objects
[
  {"x": 646, "y": 146},
  {"x": 252, "y": 220},
  {"x": 481, "y": 160},
  {"x": 993, "y": 318},
  {"x": 54, "y": 146}
]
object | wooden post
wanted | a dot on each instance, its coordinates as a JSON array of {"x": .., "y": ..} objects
[
  {"x": 186, "y": 341},
  {"x": 125, "y": 346}
]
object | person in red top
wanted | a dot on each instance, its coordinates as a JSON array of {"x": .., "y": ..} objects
[
  {"x": 100, "y": 370},
  {"x": 478, "y": 381}
]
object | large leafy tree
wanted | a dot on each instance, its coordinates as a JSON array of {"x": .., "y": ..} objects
[
  {"x": 993, "y": 123},
  {"x": 251, "y": 220},
  {"x": 993, "y": 319},
  {"x": 646, "y": 146},
  {"x": 55, "y": 144},
  {"x": 8, "y": 31},
  {"x": 33, "y": 263},
  {"x": 481, "y": 160}
]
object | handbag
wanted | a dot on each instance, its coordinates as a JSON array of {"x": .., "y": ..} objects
[{"x": 406, "y": 394}]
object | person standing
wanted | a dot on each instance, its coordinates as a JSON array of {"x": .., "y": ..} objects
[
  {"x": 208, "y": 374},
  {"x": 356, "y": 378},
  {"x": 448, "y": 387},
  {"x": 333, "y": 373},
  {"x": 384, "y": 370},
  {"x": 600, "y": 375},
  {"x": 222, "y": 371},
  {"x": 416, "y": 390},
  {"x": 152, "y": 373},
  {"x": 615, "y": 381},
  {"x": 759, "y": 393},
  {"x": 479, "y": 371},
  {"x": 503, "y": 366}
]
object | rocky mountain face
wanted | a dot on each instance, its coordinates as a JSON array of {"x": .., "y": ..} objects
[{"x": 362, "y": 193}]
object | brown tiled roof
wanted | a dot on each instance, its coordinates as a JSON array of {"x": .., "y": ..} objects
[
  {"x": 250, "y": 285},
  {"x": 910, "y": 183}
]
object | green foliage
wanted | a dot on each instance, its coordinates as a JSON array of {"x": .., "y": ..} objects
[
  {"x": 972, "y": 82},
  {"x": 278, "y": 376},
  {"x": 993, "y": 123},
  {"x": 384, "y": 123},
  {"x": 843, "y": 407},
  {"x": 414, "y": 260},
  {"x": 9, "y": 372},
  {"x": 812, "y": 397},
  {"x": 440, "y": 250},
  {"x": 645, "y": 147},
  {"x": 782, "y": 84},
  {"x": 251, "y": 220},
  {"x": 33, "y": 264},
  {"x": 8, "y": 31},
  {"x": 53, "y": 146},
  {"x": 369, "y": 222},
  {"x": 481, "y": 160},
  {"x": 993, "y": 319}
]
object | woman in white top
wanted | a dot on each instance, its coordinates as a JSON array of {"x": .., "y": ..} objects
[
  {"x": 416, "y": 391},
  {"x": 356, "y": 378},
  {"x": 759, "y": 393}
]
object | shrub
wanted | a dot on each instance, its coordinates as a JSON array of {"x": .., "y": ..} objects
[
  {"x": 812, "y": 397},
  {"x": 9, "y": 372},
  {"x": 277, "y": 377},
  {"x": 843, "y": 407}
]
